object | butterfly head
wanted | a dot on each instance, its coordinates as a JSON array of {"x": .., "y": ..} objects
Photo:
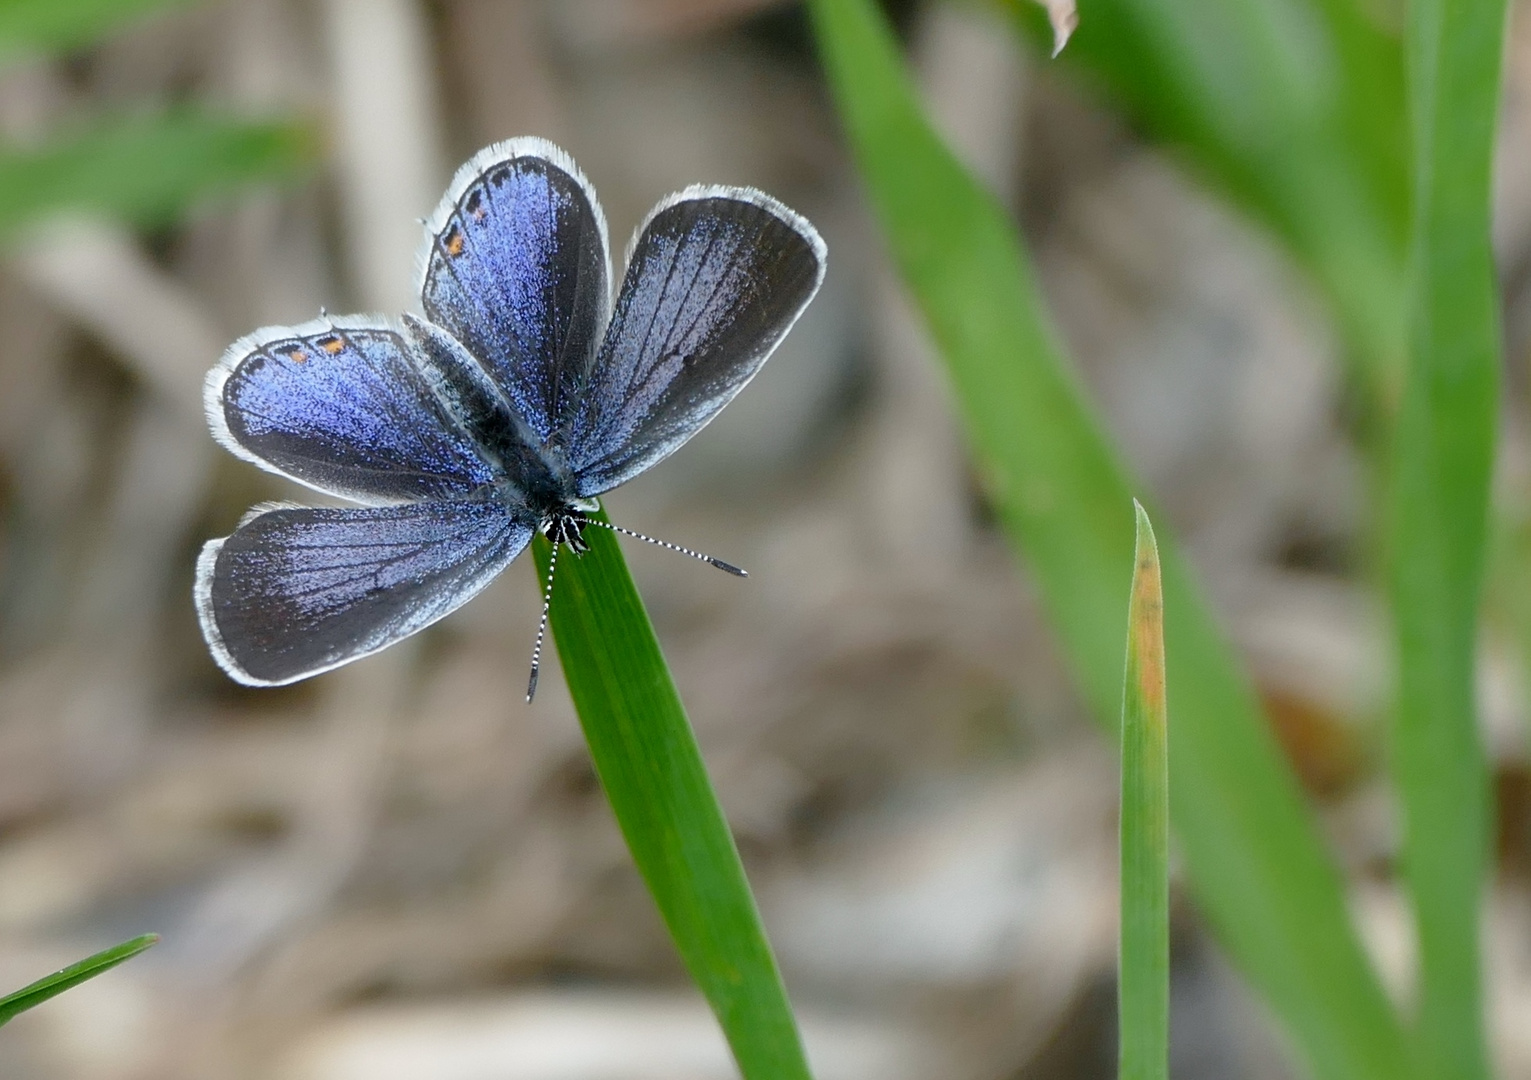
[{"x": 566, "y": 525}]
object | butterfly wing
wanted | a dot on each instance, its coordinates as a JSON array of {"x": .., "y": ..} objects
[
  {"x": 516, "y": 268},
  {"x": 716, "y": 278},
  {"x": 296, "y": 591},
  {"x": 343, "y": 406}
]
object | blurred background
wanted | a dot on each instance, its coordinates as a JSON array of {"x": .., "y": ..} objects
[{"x": 399, "y": 870}]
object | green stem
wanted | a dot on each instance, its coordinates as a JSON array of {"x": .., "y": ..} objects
[
  {"x": 649, "y": 765},
  {"x": 1444, "y": 460},
  {"x": 1143, "y": 984},
  {"x": 34, "y": 994}
]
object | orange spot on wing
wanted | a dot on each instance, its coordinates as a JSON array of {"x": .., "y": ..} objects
[
  {"x": 297, "y": 356},
  {"x": 454, "y": 243},
  {"x": 332, "y": 345}
]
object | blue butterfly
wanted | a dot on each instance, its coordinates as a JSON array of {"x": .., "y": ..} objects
[{"x": 522, "y": 395}]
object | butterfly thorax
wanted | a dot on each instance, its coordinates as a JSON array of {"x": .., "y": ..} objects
[{"x": 543, "y": 492}]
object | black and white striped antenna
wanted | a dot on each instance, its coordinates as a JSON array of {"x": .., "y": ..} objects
[
  {"x": 542, "y": 626},
  {"x": 547, "y": 592},
  {"x": 719, "y": 563}
]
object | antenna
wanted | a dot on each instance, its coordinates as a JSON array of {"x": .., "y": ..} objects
[
  {"x": 547, "y": 592},
  {"x": 719, "y": 563},
  {"x": 547, "y": 601}
]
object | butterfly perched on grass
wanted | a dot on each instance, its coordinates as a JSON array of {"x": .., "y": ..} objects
[{"x": 522, "y": 394}]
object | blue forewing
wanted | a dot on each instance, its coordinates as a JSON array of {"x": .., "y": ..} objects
[
  {"x": 341, "y": 405},
  {"x": 516, "y": 268}
]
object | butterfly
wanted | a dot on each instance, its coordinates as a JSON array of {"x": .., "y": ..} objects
[{"x": 521, "y": 395}]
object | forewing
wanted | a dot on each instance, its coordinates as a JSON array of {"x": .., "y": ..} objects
[
  {"x": 516, "y": 268},
  {"x": 342, "y": 406},
  {"x": 716, "y": 278},
  {"x": 515, "y": 453},
  {"x": 296, "y": 591}
]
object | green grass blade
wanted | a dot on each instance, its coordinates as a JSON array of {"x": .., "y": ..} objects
[
  {"x": 44, "y": 26},
  {"x": 1295, "y": 110},
  {"x": 145, "y": 169},
  {"x": 649, "y": 765},
  {"x": 29, "y": 997},
  {"x": 1254, "y": 857},
  {"x": 1444, "y": 460},
  {"x": 1143, "y": 982}
]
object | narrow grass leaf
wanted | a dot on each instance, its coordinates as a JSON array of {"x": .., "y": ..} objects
[
  {"x": 145, "y": 170},
  {"x": 29, "y": 997},
  {"x": 1445, "y": 453},
  {"x": 1143, "y": 981},
  {"x": 30, "y": 27},
  {"x": 1507, "y": 593},
  {"x": 647, "y": 759},
  {"x": 1254, "y": 857}
]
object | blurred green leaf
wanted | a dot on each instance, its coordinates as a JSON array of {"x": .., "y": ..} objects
[
  {"x": 1442, "y": 472},
  {"x": 145, "y": 169},
  {"x": 1294, "y": 109},
  {"x": 29, "y": 997},
  {"x": 1143, "y": 983},
  {"x": 1255, "y": 858},
  {"x": 44, "y": 26},
  {"x": 1507, "y": 595},
  {"x": 654, "y": 777}
]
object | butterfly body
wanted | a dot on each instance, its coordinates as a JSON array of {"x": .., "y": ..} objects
[
  {"x": 521, "y": 394},
  {"x": 532, "y": 478}
]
